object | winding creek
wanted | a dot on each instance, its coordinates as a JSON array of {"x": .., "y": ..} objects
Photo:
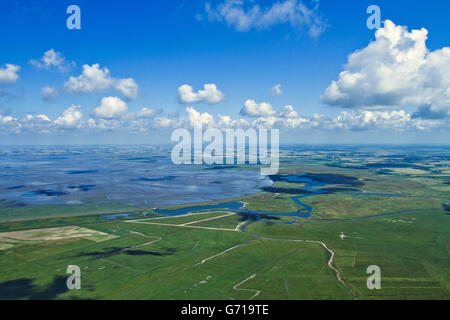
[
  {"x": 311, "y": 188},
  {"x": 305, "y": 212}
]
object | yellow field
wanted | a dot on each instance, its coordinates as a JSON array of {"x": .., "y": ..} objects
[
  {"x": 4, "y": 246},
  {"x": 49, "y": 234},
  {"x": 408, "y": 171}
]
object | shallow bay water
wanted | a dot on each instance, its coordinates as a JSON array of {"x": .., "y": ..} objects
[{"x": 141, "y": 176}]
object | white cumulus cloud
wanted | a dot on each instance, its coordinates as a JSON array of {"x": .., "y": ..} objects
[
  {"x": 253, "y": 109},
  {"x": 128, "y": 87},
  {"x": 48, "y": 93},
  {"x": 396, "y": 70},
  {"x": 110, "y": 108},
  {"x": 243, "y": 17},
  {"x": 39, "y": 123},
  {"x": 147, "y": 113},
  {"x": 226, "y": 122},
  {"x": 111, "y": 118},
  {"x": 168, "y": 122},
  {"x": 199, "y": 119},
  {"x": 93, "y": 78},
  {"x": 8, "y": 74},
  {"x": 53, "y": 60},
  {"x": 210, "y": 94},
  {"x": 276, "y": 90},
  {"x": 70, "y": 119},
  {"x": 365, "y": 119},
  {"x": 288, "y": 112}
]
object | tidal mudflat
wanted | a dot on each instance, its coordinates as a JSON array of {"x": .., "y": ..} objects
[{"x": 137, "y": 176}]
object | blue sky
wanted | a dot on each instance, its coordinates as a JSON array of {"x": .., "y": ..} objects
[{"x": 163, "y": 45}]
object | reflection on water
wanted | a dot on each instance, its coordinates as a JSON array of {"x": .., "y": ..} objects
[
  {"x": 305, "y": 211},
  {"x": 141, "y": 176},
  {"x": 311, "y": 188}
]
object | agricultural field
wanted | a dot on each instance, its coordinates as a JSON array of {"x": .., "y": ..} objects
[
  {"x": 312, "y": 234},
  {"x": 335, "y": 206}
]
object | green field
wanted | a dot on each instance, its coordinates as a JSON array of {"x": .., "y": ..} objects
[
  {"x": 337, "y": 206},
  {"x": 45, "y": 211},
  {"x": 168, "y": 268},
  {"x": 411, "y": 250},
  {"x": 220, "y": 254}
]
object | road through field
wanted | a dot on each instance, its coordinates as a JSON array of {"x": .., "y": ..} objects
[
  {"x": 241, "y": 227},
  {"x": 189, "y": 224},
  {"x": 257, "y": 292},
  {"x": 208, "y": 219},
  {"x": 330, "y": 261}
]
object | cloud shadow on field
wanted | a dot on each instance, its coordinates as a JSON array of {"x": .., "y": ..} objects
[
  {"x": 108, "y": 252},
  {"x": 446, "y": 207},
  {"x": 24, "y": 288}
]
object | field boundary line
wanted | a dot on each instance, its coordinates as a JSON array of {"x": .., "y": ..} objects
[
  {"x": 331, "y": 265},
  {"x": 221, "y": 253},
  {"x": 176, "y": 216},
  {"x": 257, "y": 292},
  {"x": 181, "y": 226},
  {"x": 330, "y": 261},
  {"x": 207, "y": 219}
]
